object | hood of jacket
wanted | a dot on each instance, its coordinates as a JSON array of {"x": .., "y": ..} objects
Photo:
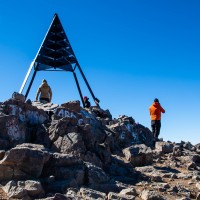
[
  {"x": 156, "y": 104},
  {"x": 155, "y": 111},
  {"x": 44, "y": 84}
]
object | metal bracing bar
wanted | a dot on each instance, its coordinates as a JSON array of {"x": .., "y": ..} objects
[
  {"x": 79, "y": 89},
  {"x": 49, "y": 49},
  {"x": 75, "y": 67},
  {"x": 86, "y": 82},
  {"x": 26, "y": 77},
  {"x": 30, "y": 84}
]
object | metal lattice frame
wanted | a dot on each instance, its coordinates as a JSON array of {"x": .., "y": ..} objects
[{"x": 56, "y": 54}]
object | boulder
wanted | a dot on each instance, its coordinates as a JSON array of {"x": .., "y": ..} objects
[
  {"x": 128, "y": 191},
  {"x": 45, "y": 106},
  {"x": 66, "y": 168},
  {"x": 138, "y": 155},
  {"x": 73, "y": 143},
  {"x": 19, "y": 97},
  {"x": 26, "y": 160},
  {"x": 73, "y": 106},
  {"x": 6, "y": 173},
  {"x": 58, "y": 128},
  {"x": 90, "y": 194},
  {"x": 164, "y": 147},
  {"x": 34, "y": 188},
  {"x": 95, "y": 175},
  {"x": 112, "y": 195},
  {"x": 25, "y": 112},
  {"x": 13, "y": 190},
  {"x": 101, "y": 113},
  {"x": 73, "y": 193},
  {"x": 151, "y": 195},
  {"x": 12, "y": 132}
]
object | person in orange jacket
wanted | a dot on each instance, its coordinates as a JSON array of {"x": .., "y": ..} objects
[{"x": 155, "y": 112}]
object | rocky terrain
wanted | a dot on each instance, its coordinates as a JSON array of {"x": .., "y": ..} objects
[{"x": 67, "y": 152}]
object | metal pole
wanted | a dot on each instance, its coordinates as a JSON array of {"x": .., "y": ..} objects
[
  {"x": 86, "y": 82},
  {"x": 30, "y": 84},
  {"x": 26, "y": 77},
  {"x": 79, "y": 89}
]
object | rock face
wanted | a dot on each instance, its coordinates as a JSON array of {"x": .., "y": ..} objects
[
  {"x": 49, "y": 151},
  {"x": 139, "y": 155}
]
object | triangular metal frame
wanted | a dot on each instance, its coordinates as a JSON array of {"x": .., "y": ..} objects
[{"x": 56, "y": 54}]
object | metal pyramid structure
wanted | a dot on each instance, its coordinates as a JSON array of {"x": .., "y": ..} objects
[{"x": 56, "y": 54}]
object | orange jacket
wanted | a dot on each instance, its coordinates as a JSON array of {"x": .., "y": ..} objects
[{"x": 155, "y": 111}]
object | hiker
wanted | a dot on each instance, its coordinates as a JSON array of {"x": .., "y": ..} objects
[
  {"x": 155, "y": 112},
  {"x": 86, "y": 102},
  {"x": 45, "y": 92}
]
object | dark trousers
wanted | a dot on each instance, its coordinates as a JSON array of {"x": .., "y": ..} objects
[
  {"x": 156, "y": 125},
  {"x": 44, "y": 99}
]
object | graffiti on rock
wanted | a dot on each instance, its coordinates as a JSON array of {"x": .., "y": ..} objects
[
  {"x": 13, "y": 130},
  {"x": 130, "y": 129},
  {"x": 65, "y": 113},
  {"x": 32, "y": 117}
]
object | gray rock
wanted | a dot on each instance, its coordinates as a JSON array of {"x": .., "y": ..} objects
[
  {"x": 139, "y": 155},
  {"x": 151, "y": 195},
  {"x": 6, "y": 172},
  {"x": 73, "y": 106},
  {"x": 44, "y": 106},
  {"x": 65, "y": 167},
  {"x": 115, "y": 196},
  {"x": 63, "y": 160},
  {"x": 34, "y": 188},
  {"x": 73, "y": 143},
  {"x": 73, "y": 193},
  {"x": 19, "y": 97},
  {"x": 128, "y": 191},
  {"x": 95, "y": 174},
  {"x": 12, "y": 132},
  {"x": 14, "y": 191},
  {"x": 165, "y": 147},
  {"x": 90, "y": 194},
  {"x": 27, "y": 158},
  {"x": 57, "y": 196}
]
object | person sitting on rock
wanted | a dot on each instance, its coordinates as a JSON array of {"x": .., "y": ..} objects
[
  {"x": 86, "y": 102},
  {"x": 45, "y": 93}
]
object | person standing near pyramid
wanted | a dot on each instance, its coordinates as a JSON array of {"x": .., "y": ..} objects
[
  {"x": 155, "y": 113},
  {"x": 45, "y": 93}
]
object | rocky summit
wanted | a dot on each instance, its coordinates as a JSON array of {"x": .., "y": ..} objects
[{"x": 58, "y": 152}]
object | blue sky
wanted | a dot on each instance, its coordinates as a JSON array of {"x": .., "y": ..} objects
[{"x": 130, "y": 51}]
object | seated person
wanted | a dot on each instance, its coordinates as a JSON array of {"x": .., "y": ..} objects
[{"x": 86, "y": 102}]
